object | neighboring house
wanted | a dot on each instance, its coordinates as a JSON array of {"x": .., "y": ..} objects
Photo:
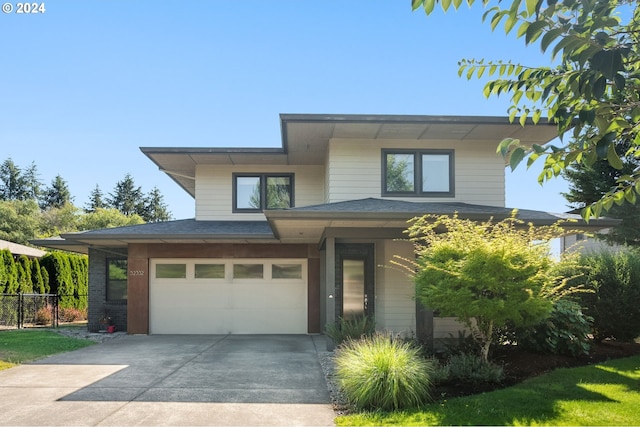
[
  {"x": 18, "y": 250},
  {"x": 287, "y": 239},
  {"x": 587, "y": 243}
]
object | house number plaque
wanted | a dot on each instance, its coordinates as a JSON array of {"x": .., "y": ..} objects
[{"x": 136, "y": 272}]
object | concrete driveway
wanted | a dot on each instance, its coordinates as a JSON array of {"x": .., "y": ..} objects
[{"x": 173, "y": 380}]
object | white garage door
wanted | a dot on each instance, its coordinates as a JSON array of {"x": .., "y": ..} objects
[{"x": 239, "y": 296}]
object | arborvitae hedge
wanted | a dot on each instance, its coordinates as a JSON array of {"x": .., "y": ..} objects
[
  {"x": 68, "y": 277},
  {"x": 8, "y": 273},
  {"x": 37, "y": 277},
  {"x": 57, "y": 272},
  {"x": 25, "y": 282}
]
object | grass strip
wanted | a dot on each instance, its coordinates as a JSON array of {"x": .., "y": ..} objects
[
  {"x": 603, "y": 394},
  {"x": 24, "y": 345}
]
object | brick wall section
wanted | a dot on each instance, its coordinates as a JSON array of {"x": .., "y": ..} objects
[{"x": 98, "y": 292}]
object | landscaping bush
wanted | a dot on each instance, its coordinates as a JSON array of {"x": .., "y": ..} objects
[
  {"x": 462, "y": 343},
  {"x": 566, "y": 331},
  {"x": 440, "y": 372},
  {"x": 71, "y": 314},
  {"x": 614, "y": 305},
  {"x": 44, "y": 316},
  {"x": 351, "y": 329},
  {"x": 471, "y": 368},
  {"x": 380, "y": 372},
  {"x": 488, "y": 274}
]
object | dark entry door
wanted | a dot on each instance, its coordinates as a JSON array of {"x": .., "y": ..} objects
[{"x": 355, "y": 280}]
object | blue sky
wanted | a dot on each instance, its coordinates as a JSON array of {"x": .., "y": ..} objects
[{"x": 88, "y": 82}]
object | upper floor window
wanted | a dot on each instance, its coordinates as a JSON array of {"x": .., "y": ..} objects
[
  {"x": 417, "y": 173},
  {"x": 257, "y": 192}
]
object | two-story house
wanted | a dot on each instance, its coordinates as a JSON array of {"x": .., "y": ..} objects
[{"x": 287, "y": 239}]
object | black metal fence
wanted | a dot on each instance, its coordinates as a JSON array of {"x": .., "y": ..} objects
[{"x": 28, "y": 310}]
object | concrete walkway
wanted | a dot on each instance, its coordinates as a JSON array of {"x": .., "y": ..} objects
[{"x": 173, "y": 380}]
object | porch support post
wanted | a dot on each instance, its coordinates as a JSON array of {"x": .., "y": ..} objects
[
  {"x": 138, "y": 290},
  {"x": 330, "y": 278}
]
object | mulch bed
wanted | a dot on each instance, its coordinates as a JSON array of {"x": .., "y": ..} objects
[{"x": 520, "y": 364}]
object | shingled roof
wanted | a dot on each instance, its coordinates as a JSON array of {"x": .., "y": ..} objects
[
  {"x": 17, "y": 249},
  {"x": 304, "y": 224},
  {"x": 373, "y": 206}
]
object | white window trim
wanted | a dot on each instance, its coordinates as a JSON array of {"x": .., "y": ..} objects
[{"x": 191, "y": 262}]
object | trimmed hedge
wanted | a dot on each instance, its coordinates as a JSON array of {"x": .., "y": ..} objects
[
  {"x": 68, "y": 277},
  {"x": 57, "y": 273}
]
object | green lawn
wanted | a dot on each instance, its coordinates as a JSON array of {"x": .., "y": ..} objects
[
  {"x": 24, "y": 345},
  {"x": 605, "y": 394}
]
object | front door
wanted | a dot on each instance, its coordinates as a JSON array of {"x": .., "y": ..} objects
[{"x": 355, "y": 280}]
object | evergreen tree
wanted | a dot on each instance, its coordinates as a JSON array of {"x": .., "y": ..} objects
[
  {"x": 155, "y": 210},
  {"x": 589, "y": 183},
  {"x": 57, "y": 195},
  {"x": 16, "y": 185},
  {"x": 25, "y": 283},
  {"x": 32, "y": 182},
  {"x": 45, "y": 279},
  {"x": 96, "y": 201},
  {"x": 36, "y": 277},
  {"x": 126, "y": 197},
  {"x": 8, "y": 273}
]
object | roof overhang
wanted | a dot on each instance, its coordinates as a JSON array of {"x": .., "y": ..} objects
[
  {"x": 305, "y": 139},
  {"x": 357, "y": 219},
  {"x": 377, "y": 218},
  {"x": 187, "y": 231}
]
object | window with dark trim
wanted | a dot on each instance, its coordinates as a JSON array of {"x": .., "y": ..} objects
[
  {"x": 418, "y": 173},
  {"x": 116, "y": 279},
  {"x": 257, "y": 192}
]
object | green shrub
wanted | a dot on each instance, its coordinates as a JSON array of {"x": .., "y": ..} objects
[
  {"x": 463, "y": 343},
  {"x": 67, "y": 277},
  {"x": 8, "y": 273},
  {"x": 440, "y": 373},
  {"x": 25, "y": 282},
  {"x": 615, "y": 304},
  {"x": 39, "y": 286},
  {"x": 379, "y": 372},
  {"x": 566, "y": 331},
  {"x": 472, "y": 368},
  {"x": 487, "y": 274},
  {"x": 351, "y": 329}
]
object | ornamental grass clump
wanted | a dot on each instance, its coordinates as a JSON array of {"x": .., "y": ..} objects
[
  {"x": 351, "y": 329},
  {"x": 380, "y": 372}
]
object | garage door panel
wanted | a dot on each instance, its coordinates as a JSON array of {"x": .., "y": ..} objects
[
  {"x": 218, "y": 323},
  {"x": 273, "y": 295},
  {"x": 198, "y": 306},
  {"x": 178, "y": 295},
  {"x": 268, "y": 321}
]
